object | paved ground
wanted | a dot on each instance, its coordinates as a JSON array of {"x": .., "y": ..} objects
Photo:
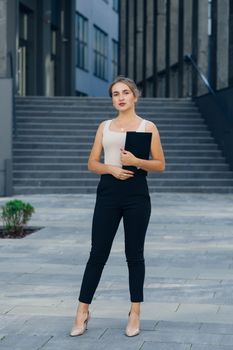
[{"x": 188, "y": 287}]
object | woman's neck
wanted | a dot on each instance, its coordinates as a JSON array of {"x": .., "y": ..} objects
[{"x": 127, "y": 115}]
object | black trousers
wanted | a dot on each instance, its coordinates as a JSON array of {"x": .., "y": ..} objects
[{"x": 116, "y": 199}]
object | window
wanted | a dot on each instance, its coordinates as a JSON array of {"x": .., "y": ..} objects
[
  {"x": 81, "y": 35},
  {"x": 114, "y": 58},
  {"x": 115, "y": 5},
  {"x": 100, "y": 53}
]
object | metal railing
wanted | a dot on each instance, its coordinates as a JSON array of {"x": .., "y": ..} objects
[{"x": 217, "y": 99}]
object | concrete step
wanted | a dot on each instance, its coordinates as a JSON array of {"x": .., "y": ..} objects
[
  {"x": 87, "y": 145},
  {"x": 91, "y": 182},
  {"x": 92, "y": 189},
  {"x": 30, "y": 100},
  {"x": 51, "y": 133},
  {"x": 72, "y": 143},
  {"x": 43, "y": 108},
  {"x": 73, "y": 139},
  {"x": 80, "y": 174},
  {"x": 83, "y": 159},
  {"x": 85, "y": 152},
  {"x": 50, "y": 128},
  {"x": 82, "y": 167},
  {"x": 55, "y": 136}
]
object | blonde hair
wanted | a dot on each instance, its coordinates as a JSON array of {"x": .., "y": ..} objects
[{"x": 127, "y": 81}]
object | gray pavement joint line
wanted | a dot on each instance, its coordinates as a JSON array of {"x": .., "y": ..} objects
[
  {"x": 156, "y": 324},
  {"x": 5, "y": 313},
  {"x": 102, "y": 334},
  {"x": 141, "y": 347},
  {"x": 219, "y": 307},
  {"x": 41, "y": 347}
]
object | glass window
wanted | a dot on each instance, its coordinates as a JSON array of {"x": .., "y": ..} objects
[
  {"x": 114, "y": 58},
  {"x": 81, "y": 36},
  {"x": 115, "y": 5},
  {"x": 100, "y": 53}
]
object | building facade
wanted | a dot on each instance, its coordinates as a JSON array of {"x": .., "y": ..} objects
[
  {"x": 156, "y": 36},
  {"x": 40, "y": 37},
  {"x": 96, "y": 42},
  {"x": 52, "y": 48}
]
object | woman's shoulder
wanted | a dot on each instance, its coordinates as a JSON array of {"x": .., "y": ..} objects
[
  {"x": 103, "y": 124},
  {"x": 149, "y": 125}
]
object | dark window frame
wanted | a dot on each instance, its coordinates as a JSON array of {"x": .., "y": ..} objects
[
  {"x": 81, "y": 40},
  {"x": 100, "y": 53}
]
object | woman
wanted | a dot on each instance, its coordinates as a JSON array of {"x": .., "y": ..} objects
[{"x": 123, "y": 194}]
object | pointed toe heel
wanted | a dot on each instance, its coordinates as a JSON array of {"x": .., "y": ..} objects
[
  {"x": 77, "y": 331},
  {"x": 132, "y": 332}
]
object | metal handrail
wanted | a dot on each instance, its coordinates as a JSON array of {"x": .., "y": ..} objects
[
  {"x": 189, "y": 58},
  {"x": 202, "y": 76},
  {"x": 13, "y": 93}
]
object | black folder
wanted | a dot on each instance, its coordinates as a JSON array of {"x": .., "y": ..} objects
[{"x": 138, "y": 143}]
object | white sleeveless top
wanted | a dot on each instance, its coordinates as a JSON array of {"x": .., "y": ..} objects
[{"x": 113, "y": 141}]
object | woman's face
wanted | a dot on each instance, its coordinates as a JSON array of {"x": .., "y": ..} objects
[{"x": 123, "y": 97}]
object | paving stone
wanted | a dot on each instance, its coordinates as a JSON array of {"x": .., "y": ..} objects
[
  {"x": 188, "y": 285},
  {"x": 165, "y": 346},
  {"x": 22, "y": 342}
]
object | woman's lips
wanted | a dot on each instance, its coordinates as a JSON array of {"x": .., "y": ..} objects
[{"x": 121, "y": 104}]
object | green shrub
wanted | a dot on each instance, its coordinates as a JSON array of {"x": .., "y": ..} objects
[{"x": 15, "y": 215}]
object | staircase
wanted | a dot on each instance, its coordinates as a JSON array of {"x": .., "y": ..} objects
[{"x": 55, "y": 135}]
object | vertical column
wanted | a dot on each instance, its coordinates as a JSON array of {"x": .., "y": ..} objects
[
  {"x": 127, "y": 38},
  {"x": 187, "y": 47},
  {"x": 180, "y": 47},
  {"x": 3, "y": 38},
  {"x": 155, "y": 72},
  {"x": 122, "y": 32},
  {"x": 139, "y": 40},
  {"x": 135, "y": 16},
  {"x": 212, "y": 49},
  {"x": 161, "y": 36},
  {"x": 149, "y": 48},
  {"x": 144, "y": 49},
  {"x": 230, "y": 52},
  {"x": 131, "y": 21},
  {"x": 71, "y": 48},
  {"x": 222, "y": 43},
  {"x": 44, "y": 47},
  {"x": 6, "y": 106},
  {"x": 167, "y": 57},
  {"x": 173, "y": 48},
  {"x": 202, "y": 53},
  {"x": 195, "y": 10}
]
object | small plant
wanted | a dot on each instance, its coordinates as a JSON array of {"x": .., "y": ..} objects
[{"x": 15, "y": 215}]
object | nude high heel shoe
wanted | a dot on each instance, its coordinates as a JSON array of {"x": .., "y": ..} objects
[
  {"x": 132, "y": 332},
  {"x": 77, "y": 331}
]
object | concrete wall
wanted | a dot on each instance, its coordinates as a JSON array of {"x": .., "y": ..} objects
[
  {"x": 5, "y": 130},
  {"x": 219, "y": 117},
  {"x": 3, "y": 37}
]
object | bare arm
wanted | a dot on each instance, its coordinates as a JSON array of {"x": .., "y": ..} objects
[
  {"x": 96, "y": 166},
  {"x": 157, "y": 163}
]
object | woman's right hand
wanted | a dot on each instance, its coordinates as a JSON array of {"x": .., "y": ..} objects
[{"x": 119, "y": 173}]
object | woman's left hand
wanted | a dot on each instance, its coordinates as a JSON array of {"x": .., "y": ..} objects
[{"x": 127, "y": 158}]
